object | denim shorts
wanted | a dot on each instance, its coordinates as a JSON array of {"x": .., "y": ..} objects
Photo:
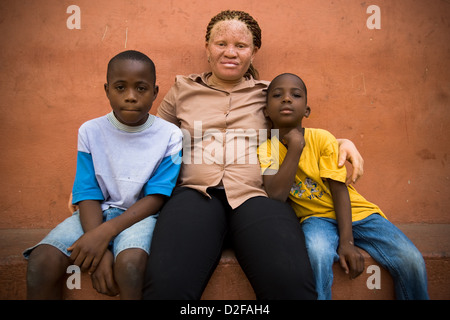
[{"x": 139, "y": 235}]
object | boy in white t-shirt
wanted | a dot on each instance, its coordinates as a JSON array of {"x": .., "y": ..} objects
[{"x": 127, "y": 164}]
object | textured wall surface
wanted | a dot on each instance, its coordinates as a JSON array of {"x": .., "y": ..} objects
[{"x": 379, "y": 77}]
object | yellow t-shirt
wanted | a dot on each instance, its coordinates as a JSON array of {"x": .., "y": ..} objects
[{"x": 310, "y": 194}]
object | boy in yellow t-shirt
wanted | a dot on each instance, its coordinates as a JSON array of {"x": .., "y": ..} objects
[{"x": 301, "y": 165}]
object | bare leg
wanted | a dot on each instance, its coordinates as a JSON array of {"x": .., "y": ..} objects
[
  {"x": 129, "y": 270},
  {"x": 46, "y": 268}
]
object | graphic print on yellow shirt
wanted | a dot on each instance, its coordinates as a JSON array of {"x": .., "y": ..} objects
[
  {"x": 298, "y": 189},
  {"x": 310, "y": 194}
]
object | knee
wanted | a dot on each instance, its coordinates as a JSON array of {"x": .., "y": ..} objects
[
  {"x": 46, "y": 265},
  {"x": 320, "y": 251},
  {"x": 130, "y": 266},
  {"x": 172, "y": 281},
  {"x": 412, "y": 260}
]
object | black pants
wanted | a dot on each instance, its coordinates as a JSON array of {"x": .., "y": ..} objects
[{"x": 189, "y": 237}]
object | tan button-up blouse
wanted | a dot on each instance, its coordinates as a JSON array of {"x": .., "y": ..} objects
[{"x": 222, "y": 131}]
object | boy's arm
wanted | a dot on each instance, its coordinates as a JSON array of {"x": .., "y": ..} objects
[
  {"x": 278, "y": 185},
  {"x": 88, "y": 250},
  {"x": 143, "y": 208},
  {"x": 350, "y": 257},
  {"x": 91, "y": 216}
]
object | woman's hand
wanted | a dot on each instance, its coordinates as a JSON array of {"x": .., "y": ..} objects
[
  {"x": 72, "y": 207},
  {"x": 348, "y": 151}
]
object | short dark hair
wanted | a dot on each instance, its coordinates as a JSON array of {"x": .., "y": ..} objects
[
  {"x": 132, "y": 55},
  {"x": 285, "y": 74}
]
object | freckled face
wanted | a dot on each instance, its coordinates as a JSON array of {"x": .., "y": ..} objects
[
  {"x": 230, "y": 50},
  {"x": 130, "y": 91}
]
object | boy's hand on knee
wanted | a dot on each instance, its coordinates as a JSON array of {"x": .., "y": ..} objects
[
  {"x": 88, "y": 250},
  {"x": 103, "y": 277},
  {"x": 351, "y": 260}
]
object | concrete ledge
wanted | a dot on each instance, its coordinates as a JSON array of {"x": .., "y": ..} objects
[{"x": 229, "y": 281}]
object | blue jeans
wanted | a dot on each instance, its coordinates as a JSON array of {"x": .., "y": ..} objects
[{"x": 381, "y": 239}]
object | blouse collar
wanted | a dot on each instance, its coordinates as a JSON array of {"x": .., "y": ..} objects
[{"x": 249, "y": 81}]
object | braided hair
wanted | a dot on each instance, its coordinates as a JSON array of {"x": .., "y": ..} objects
[{"x": 251, "y": 24}]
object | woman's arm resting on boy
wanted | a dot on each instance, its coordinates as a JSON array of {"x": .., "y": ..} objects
[
  {"x": 348, "y": 151},
  {"x": 72, "y": 207}
]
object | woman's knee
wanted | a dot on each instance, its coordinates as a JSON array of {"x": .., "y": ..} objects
[{"x": 270, "y": 247}]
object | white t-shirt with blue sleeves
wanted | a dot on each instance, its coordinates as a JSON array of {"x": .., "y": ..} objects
[{"x": 119, "y": 164}]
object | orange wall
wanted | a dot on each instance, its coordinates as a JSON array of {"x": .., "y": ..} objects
[{"x": 386, "y": 89}]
